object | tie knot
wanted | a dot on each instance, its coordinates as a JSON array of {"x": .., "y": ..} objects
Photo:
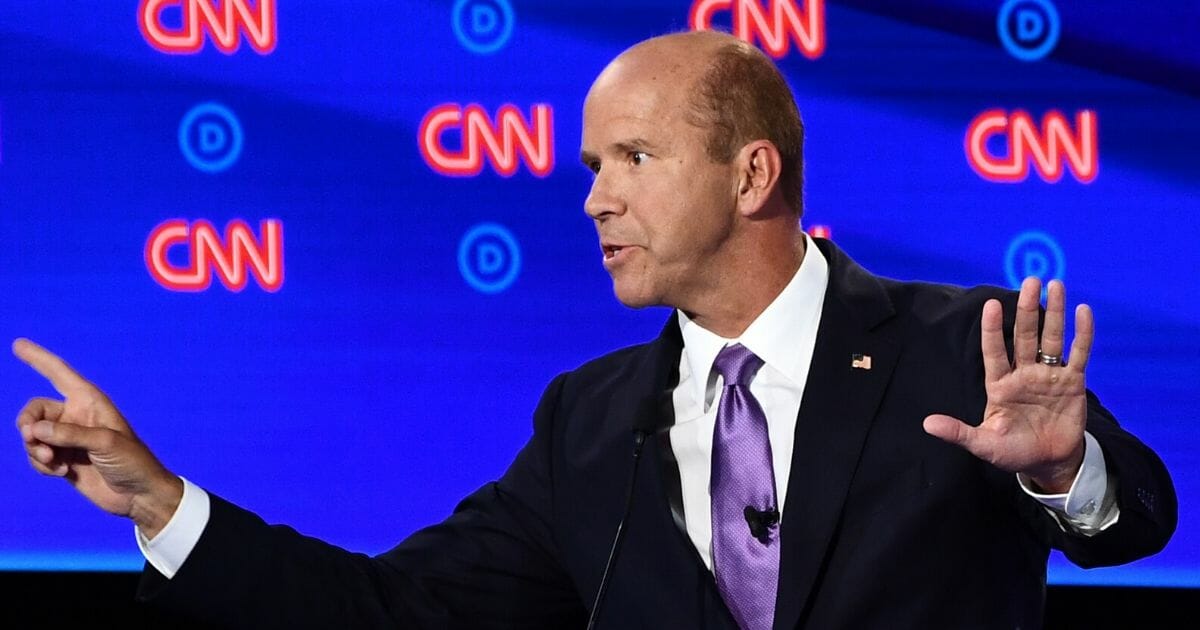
[{"x": 736, "y": 364}]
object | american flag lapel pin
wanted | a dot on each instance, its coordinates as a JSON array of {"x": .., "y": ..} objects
[{"x": 860, "y": 361}]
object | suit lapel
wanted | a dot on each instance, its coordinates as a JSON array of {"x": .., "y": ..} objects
[
  {"x": 661, "y": 372},
  {"x": 835, "y": 416}
]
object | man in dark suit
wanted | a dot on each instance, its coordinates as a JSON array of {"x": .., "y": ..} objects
[{"x": 826, "y": 448}]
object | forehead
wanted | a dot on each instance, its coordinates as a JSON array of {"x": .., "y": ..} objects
[{"x": 636, "y": 101}]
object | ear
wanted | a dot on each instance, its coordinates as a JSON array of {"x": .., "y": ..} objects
[{"x": 758, "y": 167}]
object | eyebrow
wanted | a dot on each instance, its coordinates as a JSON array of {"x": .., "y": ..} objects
[{"x": 625, "y": 146}]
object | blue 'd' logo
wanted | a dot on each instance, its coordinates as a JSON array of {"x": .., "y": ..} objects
[
  {"x": 1029, "y": 29},
  {"x": 489, "y": 258},
  {"x": 482, "y": 26},
  {"x": 1034, "y": 253},
  {"x": 210, "y": 137}
]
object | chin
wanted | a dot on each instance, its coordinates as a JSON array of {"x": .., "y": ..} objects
[{"x": 634, "y": 298}]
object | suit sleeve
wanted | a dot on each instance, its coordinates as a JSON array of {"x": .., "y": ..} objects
[
  {"x": 1145, "y": 494},
  {"x": 491, "y": 564},
  {"x": 1145, "y": 497}
]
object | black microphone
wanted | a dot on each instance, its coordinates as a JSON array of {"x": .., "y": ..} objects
[
  {"x": 760, "y": 521},
  {"x": 648, "y": 421}
]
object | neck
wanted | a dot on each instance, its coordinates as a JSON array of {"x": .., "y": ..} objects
[{"x": 747, "y": 289}]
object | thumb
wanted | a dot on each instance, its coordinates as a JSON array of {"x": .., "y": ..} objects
[
  {"x": 63, "y": 434},
  {"x": 950, "y": 429}
]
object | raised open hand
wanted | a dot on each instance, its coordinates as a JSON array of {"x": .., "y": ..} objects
[
  {"x": 84, "y": 439},
  {"x": 1036, "y": 406}
]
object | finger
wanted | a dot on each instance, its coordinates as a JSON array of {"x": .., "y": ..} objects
[
  {"x": 62, "y": 434},
  {"x": 38, "y": 409},
  {"x": 44, "y": 459},
  {"x": 1025, "y": 329},
  {"x": 41, "y": 453},
  {"x": 1052, "y": 329},
  {"x": 1085, "y": 331},
  {"x": 995, "y": 355},
  {"x": 950, "y": 429},
  {"x": 64, "y": 379},
  {"x": 52, "y": 469}
]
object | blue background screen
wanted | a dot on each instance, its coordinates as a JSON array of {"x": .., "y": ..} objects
[{"x": 285, "y": 240}]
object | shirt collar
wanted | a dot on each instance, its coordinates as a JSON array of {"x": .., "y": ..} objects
[{"x": 773, "y": 334}]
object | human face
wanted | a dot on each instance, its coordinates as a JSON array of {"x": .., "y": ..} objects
[{"x": 662, "y": 208}]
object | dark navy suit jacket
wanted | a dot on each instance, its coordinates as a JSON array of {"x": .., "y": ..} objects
[{"x": 884, "y": 526}]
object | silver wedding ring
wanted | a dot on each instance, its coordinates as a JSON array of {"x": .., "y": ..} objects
[{"x": 1047, "y": 359}]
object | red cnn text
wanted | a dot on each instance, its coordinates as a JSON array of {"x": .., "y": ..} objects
[
  {"x": 1047, "y": 148},
  {"x": 222, "y": 20},
  {"x": 233, "y": 259},
  {"x": 820, "y": 231},
  {"x": 505, "y": 143},
  {"x": 777, "y": 25}
]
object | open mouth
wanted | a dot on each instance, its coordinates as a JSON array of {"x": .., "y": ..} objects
[{"x": 611, "y": 251}]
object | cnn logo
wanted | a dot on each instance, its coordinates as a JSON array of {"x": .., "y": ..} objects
[
  {"x": 777, "y": 25},
  {"x": 1047, "y": 148},
  {"x": 233, "y": 259},
  {"x": 505, "y": 142},
  {"x": 200, "y": 17}
]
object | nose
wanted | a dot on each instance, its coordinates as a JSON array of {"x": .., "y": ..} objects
[{"x": 602, "y": 202}]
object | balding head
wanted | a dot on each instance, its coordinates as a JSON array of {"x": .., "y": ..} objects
[
  {"x": 679, "y": 54},
  {"x": 730, "y": 89}
]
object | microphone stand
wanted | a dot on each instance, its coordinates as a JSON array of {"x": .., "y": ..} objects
[{"x": 639, "y": 439}]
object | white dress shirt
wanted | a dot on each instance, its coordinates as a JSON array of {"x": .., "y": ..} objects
[{"x": 783, "y": 336}]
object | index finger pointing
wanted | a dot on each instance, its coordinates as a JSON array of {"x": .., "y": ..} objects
[{"x": 64, "y": 379}]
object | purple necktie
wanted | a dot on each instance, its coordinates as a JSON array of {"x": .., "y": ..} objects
[{"x": 745, "y": 516}]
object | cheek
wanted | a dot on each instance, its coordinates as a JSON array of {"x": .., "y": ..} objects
[
  {"x": 683, "y": 218},
  {"x": 677, "y": 249},
  {"x": 701, "y": 228}
]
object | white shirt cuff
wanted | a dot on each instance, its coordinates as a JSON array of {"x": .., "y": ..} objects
[
  {"x": 167, "y": 551},
  {"x": 1090, "y": 505}
]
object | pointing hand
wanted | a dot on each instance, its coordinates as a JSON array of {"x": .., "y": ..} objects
[{"x": 85, "y": 440}]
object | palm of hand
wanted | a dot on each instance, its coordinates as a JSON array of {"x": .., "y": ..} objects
[
  {"x": 1035, "y": 414},
  {"x": 1036, "y": 410}
]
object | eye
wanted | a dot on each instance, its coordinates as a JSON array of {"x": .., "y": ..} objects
[
  {"x": 637, "y": 157},
  {"x": 594, "y": 167}
]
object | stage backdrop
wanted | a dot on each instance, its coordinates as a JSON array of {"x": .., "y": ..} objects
[{"x": 325, "y": 255}]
